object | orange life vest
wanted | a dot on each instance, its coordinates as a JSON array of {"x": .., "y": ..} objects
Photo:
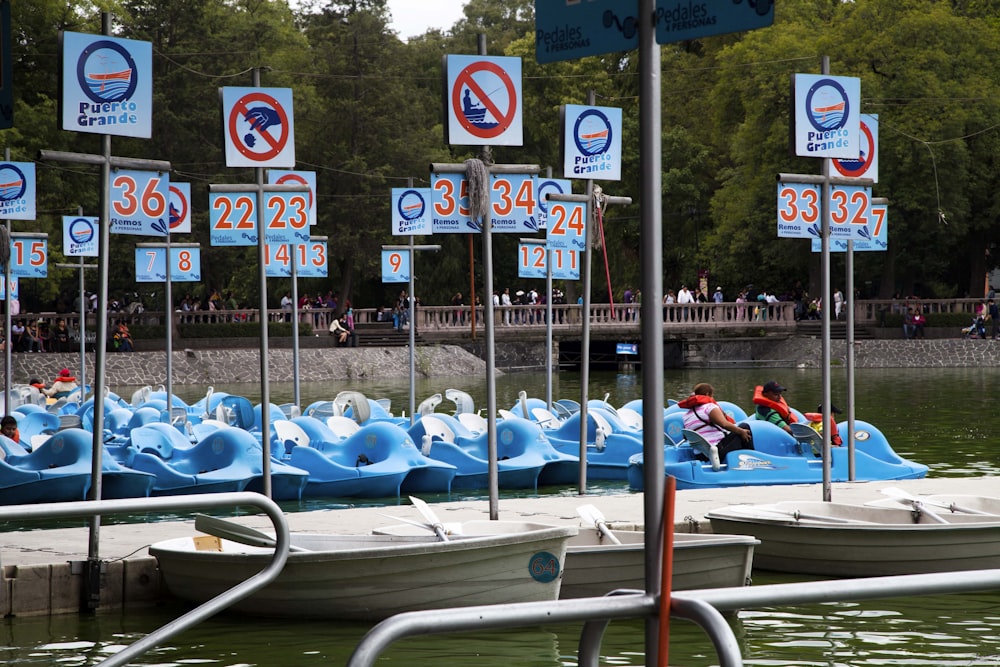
[
  {"x": 779, "y": 406},
  {"x": 816, "y": 421},
  {"x": 695, "y": 400}
]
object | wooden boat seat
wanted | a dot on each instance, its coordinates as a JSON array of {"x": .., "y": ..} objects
[
  {"x": 699, "y": 444},
  {"x": 806, "y": 436}
]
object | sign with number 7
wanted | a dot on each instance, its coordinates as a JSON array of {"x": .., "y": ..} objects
[{"x": 151, "y": 265}]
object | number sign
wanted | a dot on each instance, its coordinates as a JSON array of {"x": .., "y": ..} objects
[
  {"x": 875, "y": 237},
  {"x": 29, "y": 256},
  {"x": 799, "y": 210},
  {"x": 310, "y": 260},
  {"x": 395, "y": 266},
  {"x": 13, "y": 289},
  {"x": 450, "y": 205},
  {"x": 151, "y": 264},
  {"x": 139, "y": 203},
  {"x": 849, "y": 206},
  {"x": 514, "y": 202},
  {"x": 533, "y": 260},
  {"x": 567, "y": 228}
]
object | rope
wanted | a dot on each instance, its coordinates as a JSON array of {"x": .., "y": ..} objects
[{"x": 477, "y": 176}]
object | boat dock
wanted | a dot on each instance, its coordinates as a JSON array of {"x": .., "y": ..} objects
[{"x": 43, "y": 569}]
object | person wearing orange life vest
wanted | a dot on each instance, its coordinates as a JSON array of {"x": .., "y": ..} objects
[
  {"x": 705, "y": 417},
  {"x": 771, "y": 406},
  {"x": 816, "y": 423}
]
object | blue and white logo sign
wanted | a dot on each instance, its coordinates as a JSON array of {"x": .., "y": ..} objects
[
  {"x": 546, "y": 187},
  {"x": 151, "y": 264},
  {"x": 17, "y": 190},
  {"x": 107, "y": 85},
  {"x": 411, "y": 211},
  {"x": 827, "y": 116},
  {"x": 592, "y": 142},
  {"x": 79, "y": 236}
]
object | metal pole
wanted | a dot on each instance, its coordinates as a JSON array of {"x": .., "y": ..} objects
[
  {"x": 265, "y": 384},
  {"x": 92, "y": 583},
  {"x": 585, "y": 327},
  {"x": 83, "y": 331},
  {"x": 168, "y": 296},
  {"x": 493, "y": 475},
  {"x": 825, "y": 296},
  {"x": 652, "y": 327},
  {"x": 413, "y": 324},
  {"x": 548, "y": 315},
  {"x": 850, "y": 361},
  {"x": 297, "y": 395},
  {"x": 8, "y": 359}
]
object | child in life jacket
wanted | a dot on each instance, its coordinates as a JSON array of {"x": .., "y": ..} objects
[{"x": 816, "y": 423}]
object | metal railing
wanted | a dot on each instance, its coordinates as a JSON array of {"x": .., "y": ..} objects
[
  {"x": 702, "y": 607},
  {"x": 91, "y": 508}
]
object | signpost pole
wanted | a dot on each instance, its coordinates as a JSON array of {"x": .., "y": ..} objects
[
  {"x": 8, "y": 359},
  {"x": 81, "y": 267},
  {"x": 411, "y": 249},
  {"x": 297, "y": 394}
]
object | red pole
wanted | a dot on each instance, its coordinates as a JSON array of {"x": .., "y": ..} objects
[{"x": 667, "y": 570}]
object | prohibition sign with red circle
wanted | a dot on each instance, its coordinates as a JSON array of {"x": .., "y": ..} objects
[
  {"x": 276, "y": 145},
  {"x": 183, "y": 212},
  {"x": 295, "y": 179},
  {"x": 859, "y": 166},
  {"x": 464, "y": 79}
]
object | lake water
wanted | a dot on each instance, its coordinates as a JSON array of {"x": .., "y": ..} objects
[{"x": 941, "y": 417}]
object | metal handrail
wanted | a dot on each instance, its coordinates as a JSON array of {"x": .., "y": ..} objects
[
  {"x": 90, "y": 508},
  {"x": 703, "y": 607}
]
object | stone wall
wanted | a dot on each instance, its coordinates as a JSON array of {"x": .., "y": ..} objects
[{"x": 238, "y": 365}]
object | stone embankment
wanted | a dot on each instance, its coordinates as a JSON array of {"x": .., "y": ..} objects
[
  {"x": 239, "y": 365},
  {"x": 806, "y": 352}
]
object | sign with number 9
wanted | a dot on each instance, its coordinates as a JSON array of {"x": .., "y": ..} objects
[{"x": 395, "y": 266}]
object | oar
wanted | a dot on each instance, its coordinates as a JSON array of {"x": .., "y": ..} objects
[
  {"x": 593, "y": 516},
  {"x": 899, "y": 494},
  {"x": 450, "y": 528},
  {"x": 757, "y": 512},
  {"x": 236, "y": 532},
  {"x": 428, "y": 514}
]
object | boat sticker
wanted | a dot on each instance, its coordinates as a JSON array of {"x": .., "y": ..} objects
[
  {"x": 544, "y": 567},
  {"x": 506, "y": 436},
  {"x": 750, "y": 462},
  {"x": 862, "y": 435}
]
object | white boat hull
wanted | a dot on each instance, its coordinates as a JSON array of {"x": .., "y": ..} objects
[
  {"x": 594, "y": 566},
  {"x": 830, "y": 539},
  {"x": 375, "y": 576}
]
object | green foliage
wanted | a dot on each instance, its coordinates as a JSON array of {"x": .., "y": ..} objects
[{"x": 369, "y": 116}]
